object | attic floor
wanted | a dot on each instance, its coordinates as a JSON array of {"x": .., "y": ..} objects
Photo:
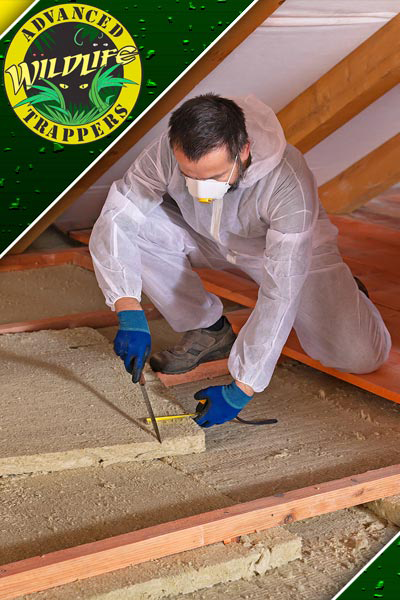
[{"x": 326, "y": 429}]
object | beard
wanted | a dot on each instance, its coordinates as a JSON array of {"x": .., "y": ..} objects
[{"x": 241, "y": 170}]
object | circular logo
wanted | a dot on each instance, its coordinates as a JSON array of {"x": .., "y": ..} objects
[{"x": 72, "y": 74}]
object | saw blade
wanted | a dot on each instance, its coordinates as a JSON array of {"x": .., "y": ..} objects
[{"x": 149, "y": 408}]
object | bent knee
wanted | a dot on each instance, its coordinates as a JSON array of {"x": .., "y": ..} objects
[{"x": 364, "y": 359}]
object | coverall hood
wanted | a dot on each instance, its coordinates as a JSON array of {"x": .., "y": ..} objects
[{"x": 267, "y": 140}]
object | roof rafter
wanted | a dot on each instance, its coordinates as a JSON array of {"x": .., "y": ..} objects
[
  {"x": 359, "y": 79},
  {"x": 364, "y": 180}
]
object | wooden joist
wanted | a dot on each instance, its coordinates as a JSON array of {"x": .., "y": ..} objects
[
  {"x": 98, "y": 318},
  {"x": 384, "y": 382},
  {"x": 227, "y": 285},
  {"x": 80, "y": 235},
  {"x": 213, "y": 57},
  {"x": 364, "y": 180},
  {"x": 355, "y": 82},
  {"x": 88, "y": 560},
  {"x": 46, "y": 258},
  {"x": 374, "y": 246},
  {"x": 49, "y": 258}
]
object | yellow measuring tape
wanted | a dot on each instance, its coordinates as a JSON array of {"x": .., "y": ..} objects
[{"x": 170, "y": 417}]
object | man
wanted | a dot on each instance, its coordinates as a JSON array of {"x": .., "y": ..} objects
[{"x": 223, "y": 189}]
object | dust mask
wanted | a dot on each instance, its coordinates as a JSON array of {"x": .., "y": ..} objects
[{"x": 207, "y": 190}]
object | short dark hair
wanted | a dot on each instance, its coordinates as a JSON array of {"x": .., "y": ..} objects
[{"x": 205, "y": 123}]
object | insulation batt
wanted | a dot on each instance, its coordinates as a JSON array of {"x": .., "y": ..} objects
[{"x": 151, "y": 232}]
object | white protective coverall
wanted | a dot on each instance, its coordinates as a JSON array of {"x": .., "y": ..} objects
[{"x": 273, "y": 227}]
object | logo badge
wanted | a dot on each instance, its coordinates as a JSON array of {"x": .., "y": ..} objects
[{"x": 72, "y": 74}]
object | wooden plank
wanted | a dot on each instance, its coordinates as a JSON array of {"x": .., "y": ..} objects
[
  {"x": 88, "y": 560},
  {"x": 363, "y": 233},
  {"x": 80, "y": 235},
  {"x": 391, "y": 317},
  {"x": 98, "y": 318},
  {"x": 384, "y": 382},
  {"x": 360, "y": 267},
  {"x": 383, "y": 288},
  {"x": 364, "y": 180},
  {"x": 359, "y": 79},
  {"x": 44, "y": 258},
  {"x": 362, "y": 240},
  {"x": 47, "y": 258},
  {"x": 84, "y": 260},
  {"x": 229, "y": 286},
  {"x": 213, "y": 57}
]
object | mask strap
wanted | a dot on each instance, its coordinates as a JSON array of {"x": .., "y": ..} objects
[{"x": 234, "y": 164}]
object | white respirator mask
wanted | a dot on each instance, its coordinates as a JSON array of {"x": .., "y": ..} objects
[{"x": 207, "y": 190}]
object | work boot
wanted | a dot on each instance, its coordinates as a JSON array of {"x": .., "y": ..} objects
[
  {"x": 195, "y": 347},
  {"x": 361, "y": 286}
]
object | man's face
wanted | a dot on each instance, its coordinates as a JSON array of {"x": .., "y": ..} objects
[{"x": 216, "y": 164}]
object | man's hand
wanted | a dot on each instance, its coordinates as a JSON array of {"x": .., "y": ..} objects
[
  {"x": 220, "y": 403},
  {"x": 133, "y": 341}
]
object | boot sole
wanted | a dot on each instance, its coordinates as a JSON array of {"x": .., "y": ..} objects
[{"x": 220, "y": 353}]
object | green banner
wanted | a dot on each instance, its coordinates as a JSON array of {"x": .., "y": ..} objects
[
  {"x": 380, "y": 578},
  {"x": 76, "y": 76}
]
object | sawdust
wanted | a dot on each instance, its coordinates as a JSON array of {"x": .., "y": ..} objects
[
  {"x": 48, "y": 292},
  {"x": 68, "y": 402}
]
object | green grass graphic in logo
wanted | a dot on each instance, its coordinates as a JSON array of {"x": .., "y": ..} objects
[{"x": 52, "y": 104}]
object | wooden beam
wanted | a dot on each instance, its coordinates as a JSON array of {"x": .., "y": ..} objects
[
  {"x": 384, "y": 382},
  {"x": 353, "y": 84},
  {"x": 215, "y": 55},
  {"x": 44, "y": 258},
  {"x": 80, "y": 235},
  {"x": 84, "y": 260},
  {"x": 50, "y": 258},
  {"x": 99, "y": 318},
  {"x": 227, "y": 285},
  {"x": 364, "y": 180},
  {"x": 88, "y": 560}
]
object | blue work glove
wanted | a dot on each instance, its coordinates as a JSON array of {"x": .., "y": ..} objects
[
  {"x": 133, "y": 341},
  {"x": 222, "y": 403}
]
